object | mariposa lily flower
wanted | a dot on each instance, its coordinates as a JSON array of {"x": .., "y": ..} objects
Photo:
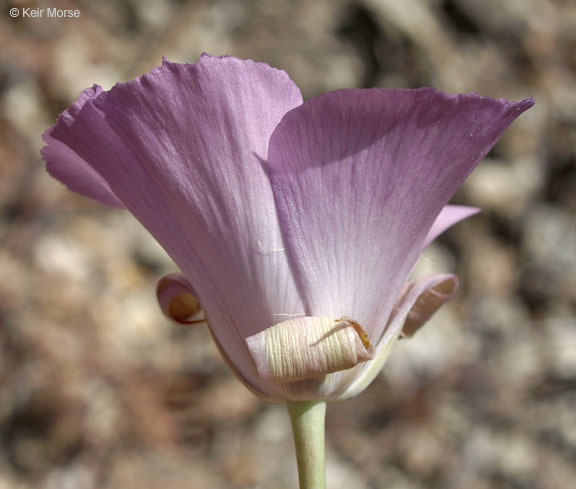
[{"x": 295, "y": 224}]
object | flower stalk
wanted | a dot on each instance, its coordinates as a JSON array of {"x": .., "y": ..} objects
[{"x": 308, "y": 421}]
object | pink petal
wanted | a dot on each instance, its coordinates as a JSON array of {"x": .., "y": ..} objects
[
  {"x": 449, "y": 215},
  {"x": 65, "y": 165},
  {"x": 359, "y": 177},
  {"x": 182, "y": 147}
]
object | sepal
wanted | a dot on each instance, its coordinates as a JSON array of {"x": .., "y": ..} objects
[{"x": 308, "y": 347}]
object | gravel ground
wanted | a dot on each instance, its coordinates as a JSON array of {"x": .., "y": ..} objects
[{"x": 98, "y": 391}]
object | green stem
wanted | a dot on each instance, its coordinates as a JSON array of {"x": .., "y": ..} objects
[{"x": 308, "y": 428}]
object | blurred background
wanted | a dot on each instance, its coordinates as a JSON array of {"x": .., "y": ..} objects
[{"x": 99, "y": 391}]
